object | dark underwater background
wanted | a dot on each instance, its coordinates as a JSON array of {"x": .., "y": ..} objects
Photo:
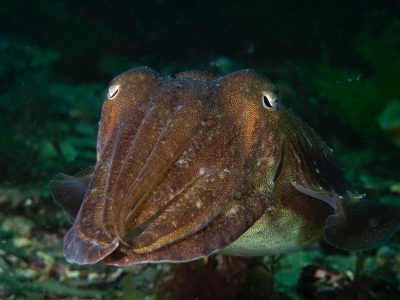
[{"x": 335, "y": 63}]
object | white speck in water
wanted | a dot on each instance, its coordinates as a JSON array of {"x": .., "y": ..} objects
[
  {"x": 28, "y": 202},
  {"x": 373, "y": 223},
  {"x": 317, "y": 170},
  {"x": 349, "y": 275}
]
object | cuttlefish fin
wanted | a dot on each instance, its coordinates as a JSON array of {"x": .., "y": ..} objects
[
  {"x": 329, "y": 198},
  {"x": 69, "y": 191},
  {"x": 361, "y": 224},
  {"x": 357, "y": 223}
]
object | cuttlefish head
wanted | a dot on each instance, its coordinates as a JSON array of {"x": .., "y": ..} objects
[{"x": 185, "y": 165}]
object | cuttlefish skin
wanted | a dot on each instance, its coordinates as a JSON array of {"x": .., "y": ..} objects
[{"x": 196, "y": 164}]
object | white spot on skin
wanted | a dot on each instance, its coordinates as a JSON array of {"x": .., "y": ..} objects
[
  {"x": 259, "y": 162},
  {"x": 308, "y": 141},
  {"x": 180, "y": 162},
  {"x": 201, "y": 171},
  {"x": 232, "y": 211},
  {"x": 297, "y": 157},
  {"x": 199, "y": 204}
]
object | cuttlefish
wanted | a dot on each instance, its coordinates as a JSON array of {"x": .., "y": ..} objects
[{"x": 195, "y": 164}]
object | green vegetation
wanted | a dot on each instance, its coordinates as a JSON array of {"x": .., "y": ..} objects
[
  {"x": 361, "y": 96},
  {"x": 47, "y": 125}
]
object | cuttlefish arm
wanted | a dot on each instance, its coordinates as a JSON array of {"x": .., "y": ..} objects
[
  {"x": 95, "y": 231},
  {"x": 69, "y": 192},
  {"x": 356, "y": 223},
  {"x": 218, "y": 234}
]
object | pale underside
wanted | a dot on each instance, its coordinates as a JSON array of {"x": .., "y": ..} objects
[{"x": 274, "y": 237}]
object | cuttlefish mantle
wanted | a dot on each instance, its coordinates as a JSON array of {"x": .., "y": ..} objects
[{"x": 196, "y": 164}]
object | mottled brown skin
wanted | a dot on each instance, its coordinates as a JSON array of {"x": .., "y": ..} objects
[{"x": 187, "y": 165}]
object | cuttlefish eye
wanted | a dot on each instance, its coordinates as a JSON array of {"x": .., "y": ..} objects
[
  {"x": 269, "y": 101},
  {"x": 113, "y": 91}
]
